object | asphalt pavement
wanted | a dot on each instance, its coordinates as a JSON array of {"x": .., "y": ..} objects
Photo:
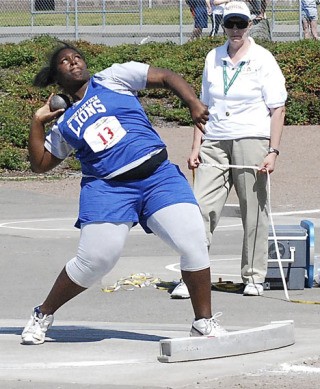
[{"x": 111, "y": 340}]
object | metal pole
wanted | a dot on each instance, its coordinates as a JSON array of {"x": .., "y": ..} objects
[
  {"x": 104, "y": 14},
  {"x": 180, "y": 22},
  {"x": 272, "y": 19},
  {"x": 67, "y": 15},
  {"x": 32, "y": 14},
  {"x": 140, "y": 13},
  {"x": 76, "y": 30},
  {"x": 300, "y": 21}
]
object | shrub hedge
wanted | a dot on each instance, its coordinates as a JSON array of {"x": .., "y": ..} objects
[{"x": 19, "y": 63}]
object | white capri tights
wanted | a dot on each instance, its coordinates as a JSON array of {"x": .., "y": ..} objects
[{"x": 179, "y": 225}]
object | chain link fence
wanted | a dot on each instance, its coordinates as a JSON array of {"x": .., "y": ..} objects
[{"x": 115, "y": 22}]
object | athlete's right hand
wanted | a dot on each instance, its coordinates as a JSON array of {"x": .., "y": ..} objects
[{"x": 44, "y": 115}]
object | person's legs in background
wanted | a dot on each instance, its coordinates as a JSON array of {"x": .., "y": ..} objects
[
  {"x": 218, "y": 21},
  {"x": 306, "y": 28},
  {"x": 200, "y": 20},
  {"x": 212, "y": 184},
  {"x": 251, "y": 188},
  {"x": 314, "y": 29},
  {"x": 310, "y": 23},
  {"x": 212, "y": 20}
]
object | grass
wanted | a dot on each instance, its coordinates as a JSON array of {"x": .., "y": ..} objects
[
  {"x": 168, "y": 15},
  {"x": 156, "y": 15}
]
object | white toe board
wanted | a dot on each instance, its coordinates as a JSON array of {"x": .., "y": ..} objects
[{"x": 272, "y": 336}]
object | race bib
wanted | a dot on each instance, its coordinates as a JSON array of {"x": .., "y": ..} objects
[{"x": 104, "y": 133}]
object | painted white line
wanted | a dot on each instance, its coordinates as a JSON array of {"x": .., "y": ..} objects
[
  {"x": 307, "y": 211},
  {"x": 37, "y": 220},
  {"x": 229, "y": 226},
  {"x": 175, "y": 267},
  {"x": 57, "y": 365},
  {"x": 13, "y": 225},
  {"x": 41, "y": 229},
  {"x": 225, "y": 275},
  {"x": 296, "y": 212}
]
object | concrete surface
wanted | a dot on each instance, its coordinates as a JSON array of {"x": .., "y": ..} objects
[
  {"x": 111, "y": 340},
  {"x": 113, "y": 35}
]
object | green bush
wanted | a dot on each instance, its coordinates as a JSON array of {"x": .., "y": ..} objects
[
  {"x": 15, "y": 117},
  {"x": 12, "y": 158},
  {"x": 20, "y": 62},
  {"x": 16, "y": 55}
]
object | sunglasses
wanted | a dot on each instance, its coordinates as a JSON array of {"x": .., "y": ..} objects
[{"x": 240, "y": 25}]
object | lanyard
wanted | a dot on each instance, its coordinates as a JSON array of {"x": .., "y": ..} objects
[{"x": 227, "y": 86}]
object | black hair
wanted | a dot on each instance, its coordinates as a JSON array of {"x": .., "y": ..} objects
[{"x": 47, "y": 75}]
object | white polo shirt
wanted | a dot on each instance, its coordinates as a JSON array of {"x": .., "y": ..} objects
[{"x": 244, "y": 110}]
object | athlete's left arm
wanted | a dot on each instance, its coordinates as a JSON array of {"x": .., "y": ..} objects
[{"x": 165, "y": 78}]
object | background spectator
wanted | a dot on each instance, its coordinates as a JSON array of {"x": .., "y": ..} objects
[{"x": 309, "y": 15}]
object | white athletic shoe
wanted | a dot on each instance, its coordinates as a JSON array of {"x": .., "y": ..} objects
[
  {"x": 208, "y": 327},
  {"x": 252, "y": 289},
  {"x": 36, "y": 328},
  {"x": 180, "y": 291}
]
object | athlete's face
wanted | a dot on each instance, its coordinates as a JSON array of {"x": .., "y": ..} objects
[{"x": 71, "y": 69}]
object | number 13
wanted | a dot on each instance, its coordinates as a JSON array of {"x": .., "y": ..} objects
[{"x": 110, "y": 135}]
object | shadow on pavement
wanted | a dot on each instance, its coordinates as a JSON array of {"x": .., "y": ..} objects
[{"x": 76, "y": 334}]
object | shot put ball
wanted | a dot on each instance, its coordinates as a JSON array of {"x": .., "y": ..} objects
[{"x": 59, "y": 101}]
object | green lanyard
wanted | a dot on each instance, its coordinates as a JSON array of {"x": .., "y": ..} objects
[{"x": 227, "y": 86}]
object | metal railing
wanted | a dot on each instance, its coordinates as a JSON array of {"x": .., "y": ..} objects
[
  {"x": 71, "y": 9},
  {"x": 115, "y": 22},
  {"x": 275, "y": 11}
]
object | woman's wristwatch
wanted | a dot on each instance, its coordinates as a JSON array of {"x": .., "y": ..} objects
[{"x": 272, "y": 150}]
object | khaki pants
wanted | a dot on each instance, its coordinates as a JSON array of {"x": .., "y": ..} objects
[{"x": 213, "y": 184}]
